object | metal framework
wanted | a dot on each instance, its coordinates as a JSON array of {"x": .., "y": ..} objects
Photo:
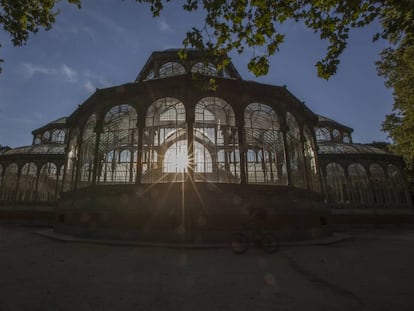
[
  {"x": 358, "y": 175},
  {"x": 162, "y": 150},
  {"x": 34, "y": 174},
  {"x": 31, "y": 177},
  {"x": 174, "y": 130}
]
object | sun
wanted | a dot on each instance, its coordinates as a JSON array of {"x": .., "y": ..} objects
[
  {"x": 176, "y": 158},
  {"x": 181, "y": 161}
]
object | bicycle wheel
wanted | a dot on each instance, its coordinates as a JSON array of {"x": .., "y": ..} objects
[
  {"x": 270, "y": 243},
  {"x": 239, "y": 243}
]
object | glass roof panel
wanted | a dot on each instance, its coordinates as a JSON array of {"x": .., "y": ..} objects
[
  {"x": 38, "y": 149},
  {"x": 338, "y": 148}
]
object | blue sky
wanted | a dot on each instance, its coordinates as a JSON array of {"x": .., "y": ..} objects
[{"x": 107, "y": 42}]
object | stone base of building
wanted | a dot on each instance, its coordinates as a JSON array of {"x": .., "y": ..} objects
[
  {"x": 189, "y": 212},
  {"x": 342, "y": 219},
  {"x": 35, "y": 214}
]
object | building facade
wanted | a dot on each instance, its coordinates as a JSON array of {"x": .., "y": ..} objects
[{"x": 169, "y": 158}]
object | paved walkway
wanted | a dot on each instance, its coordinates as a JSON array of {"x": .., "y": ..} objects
[
  {"x": 373, "y": 271},
  {"x": 50, "y": 233}
]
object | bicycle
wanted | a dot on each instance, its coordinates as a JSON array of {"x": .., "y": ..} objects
[{"x": 241, "y": 241}]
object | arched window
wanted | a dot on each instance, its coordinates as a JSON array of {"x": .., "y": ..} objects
[
  {"x": 396, "y": 185},
  {"x": 165, "y": 111},
  {"x": 87, "y": 153},
  {"x": 58, "y": 136},
  {"x": 9, "y": 184},
  {"x": 358, "y": 182},
  {"x": 201, "y": 68},
  {"x": 71, "y": 161},
  {"x": 165, "y": 129},
  {"x": 46, "y": 137},
  {"x": 118, "y": 145},
  {"x": 336, "y": 186},
  {"x": 48, "y": 183},
  {"x": 295, "y": 152},
  {"x": 265, "y": 152},
  {"x": 27, "y": 182},
  {"x": 215, "y": 139},
  {"x": 322, "y": 134},
  {"x": 214, "y": 110},
  {"x": 346, "y": 138},
  {"x": 171, "y": 69},
  {"x": 37, "y": 139},
  {"x": 149, "y": 76},
  {"x": 310, "y": 158},
  {"x": 378, "y": 184},
  {"x": 337, "y": 136}
]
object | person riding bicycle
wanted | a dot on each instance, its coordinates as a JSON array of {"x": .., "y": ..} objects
[
  {"x": 254, "y": 232},
  {"x": 257, "y": 219}
]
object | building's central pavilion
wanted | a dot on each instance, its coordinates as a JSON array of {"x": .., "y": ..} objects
[{"x": 241, "y": 146}]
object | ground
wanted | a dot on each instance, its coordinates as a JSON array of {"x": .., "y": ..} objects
[{"x": 372, "y": 271}]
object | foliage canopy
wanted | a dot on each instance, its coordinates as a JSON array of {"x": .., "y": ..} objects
[
  {"x": 397, "y": 67},
  {"x": 20, "y": 18},
  {"x": 246, "y": 24},
  {"x": 237, "y": 25}
]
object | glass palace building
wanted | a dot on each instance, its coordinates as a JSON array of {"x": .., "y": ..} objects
[{"x": 167, "y": 158}]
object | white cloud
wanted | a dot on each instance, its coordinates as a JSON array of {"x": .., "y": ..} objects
[
  {"x": 29, "y": 70},
  {"x": 100, "y": 80},
  {"x": 61, "y": 31},
  {"x": 38, "y": 115},
  {"x": 87, "y": 30},
  {"x": 69, "y": 73},
  {"x": 106, "y": 21},
  {"x": 93, "y": 81},
  {"x": 86, "y": 79},
  {"x": 89, "y": 86},
  {"x": 169, "y": 46},
  {"x": 164, "y": 26}
]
